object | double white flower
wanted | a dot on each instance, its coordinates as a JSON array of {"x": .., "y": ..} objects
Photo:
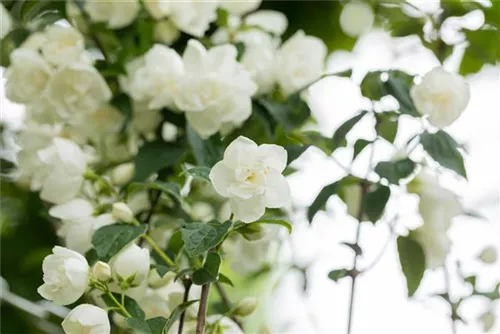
[
  {"x": 86, "y": 318},
  {"x": 250, "y": 175}
]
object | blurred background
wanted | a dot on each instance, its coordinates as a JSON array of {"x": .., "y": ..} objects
[{"x": 303, "y": 298}]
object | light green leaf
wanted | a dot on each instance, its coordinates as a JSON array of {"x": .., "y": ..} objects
[
  {"x": 110, "y": 239},
  {"x": 412, "y": 258},
  {"x": 339, "y": 137},
  {"x": 209, "y": 273},
  {"x": 273, "y": 220},
  {"x": 226, "y": 280},
  {"x": 374, "y": 202},
  {"x": 394, "y": 171},
  {"x": 387, "y": 125},
  {"x": 156, "y": 155},
  {"x": 335, "y": 275},
  {"x": 201, "y": 237},
  {"x": 443, "y": 148}
]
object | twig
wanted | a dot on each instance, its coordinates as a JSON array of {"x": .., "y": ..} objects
[
  {"x": 155, "y": 198},
  {"x": 187, "y": 287},
  {"x": 202, "y": 311},
  {"x": 227, "y": 302},
  {"x": 384, "y": 248},
  {"x": 447, "y": 284}
]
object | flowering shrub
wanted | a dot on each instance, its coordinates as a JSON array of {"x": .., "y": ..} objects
[{"x": 158, "y": 135}]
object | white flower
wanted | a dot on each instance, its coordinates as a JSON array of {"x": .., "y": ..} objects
[
  {"x": 269, "y": 20},
  {"x": 78, "y": 88},
  {"x": 63, "y": 165},
  {"x": 94, "y": 125},
  {"x": 441, "y": 96},
  {"x": 79, "y": 224},
  {"x": 27, "y": 76},
  {"x": 5, "y": 21},
  {"x": 123, "y": 174},
  {"x": 193, "y": 16},
  {"x": 356, "y": 18},
  {"x": 121, "y": 212},
  {"x": 216, "y": 90},
  {"x": 132, "y": 261},
  {"x": 249, "y": 256},
  {"x": 166, "y": 32},
  {"x": 239, "y": 7},
  {"x": 158, "y": 9},
  {"x": 153, "y": 304},
  {"x": 438, "y": 206},
  {"x": 300, "y": 61},
  {"x": 101, "y": 271},
  {"x": 63, "y": 45},
  {"x": 86, "y": 319},
  {"x": 65, "y": 276},
  {"x": 153, "y": 78},
  {"x": 117, "y": 14},
  {"x": 489, "y": 255},
  {"x": 250, "y": 176}
]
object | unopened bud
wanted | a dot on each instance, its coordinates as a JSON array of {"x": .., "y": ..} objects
[
  {"x": 101, "y": 271},
  {"x": 123, "y": 173},
  {"x": 252, "y": 232},
  {"x": 488, "y": 255},
  {"x": 166, "y": 32},
  {"x": 122, "y": 212},
  {"x": 169, "y": 132},
  {"x": 246, "y": 306},
  {"x": 487, "y": 320}
]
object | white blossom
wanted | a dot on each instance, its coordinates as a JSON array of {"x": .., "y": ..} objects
[
  {"x": 132, "y": 261},
  {"x": 250, "y": 175},
  {"x": 116, "y": 14},
  {"x": 121, "y": 212},
  {"x": 216, "y": 90},
  {"x": 158, "y": 9},
  {"x": 65, "y": 276},
  {"x": 123, "y": 174},
  {"x": 94, "y": 125},
  {"x": 86, "y": 319},
  {"x": 101, "y": 271},
  {"x": 269, "y": 20},
  {"x": 356, "y": 18},
  {"x": 441, "y": 96},
  {"x": 78, "y": 88},
  {"x": 27, "y": 76},
  {"x": 63, "y": 45},
  {"x": 193, "y": 16},
  {"x": 63, "y": 166},
  {"x": 438, "y": 206},
  {"x": 5, "y": 21},
  {"x": 169, "y": 132},
  {"x": 202, "y": 211},
  {"x": 239, "y": 7},
  {"x": 153, "y": 78},
  {"x": 166, "y": 32},
  {"x": 300, "y": 60}
]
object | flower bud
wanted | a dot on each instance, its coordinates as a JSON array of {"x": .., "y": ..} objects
[
  {"x": 356, "y": 18},
  {"x": 101, "y": 271},
  {"x": 123, "y": 173},
  {"x": 487, "y": 320},
  {"x": 122, "y": 212},
  {"x": 202, "y": 211},
  {"x": 246, "y": 306},
  {"x": 252, "y": 232},
  {"x": 488, "y": 255},
  {"x": 166, "y": 32},
  {"x": 169, "y": 132}
]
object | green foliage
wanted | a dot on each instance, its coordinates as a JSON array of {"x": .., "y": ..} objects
[
  {"x": 201, "y": 173},
  {"x": 10, "y": 42},
  {"x": 129, "y": 304},
  {"x": 206, "y": 152},
  {"x": 375, "y": 200},
  {"x": 394, "y": 171},
  {"x": 291, "y": 114},
  {"x": 176, "y": 313},
  {"x": 387, "y": 125},
  {"x": 412, "y": 258},
  {"x": 323, "y": 196},
  {"x": 123, "y": 103},
  {"x": 359, "y": 145},
  {"x": 444, "y": 149},
  {"x": 169, "y": 188},
  {"x": 110, "y": 239},
  {"x": 201, "y": 237},
  {"x": 336, "y": 275},
  {"x": 150, "y": 326},
  {"x": 339, "y": 137},
  {"x": 226, "y": 280},
  {"x": 273, "y": 221},
  {"x": 209, "y": 273},
  {"x": 156, "y": 155}
]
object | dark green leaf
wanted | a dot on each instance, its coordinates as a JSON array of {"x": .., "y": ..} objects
[
  {"x": 412, "y": 258},
  {"x": 175, "y": 243},
  {"x": 140, "y": 326},
  {"x": 156, "y": 325},
  {"x": 471, "y": 280},
  {"x": 145, "y": 30},
  {"x": 207, "y": 152},
  {"x": 162, "y": 269},
  {"x": 291, "y": 114},
  {"x": 110, "y": 239},
  {"x": 209, "y": 273},
  {"x": 443, "y": 148},
  {"x": 156, "y": 155},
  {"x": 394, "y": 171},
  {"x": 320, "y": 201},
  {"x": 359, "y": 145},
  {"x": 355, "y": 247},
  {"x": 226, "y": 280},
  {"x": 130, "y": 305},
  {"x": 387, "y": 126},
  {"x": 201, "y": 172},
  {"x": 10, "y": 42},
  {"x": 201, "y": 237},
  {"x": 339, "y": 137},
  {"x": 168, "y": 188},
  {"x": 176, "y": 314},
  {"x": 91, "y": 256},
  {"x": 374, "y": 202},
  {"x": 335, "y": 275}
]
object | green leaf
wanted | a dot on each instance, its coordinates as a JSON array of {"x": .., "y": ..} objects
[
  {"x": 443, "y": 148},
  {"x": 274, "y": 221},
  {"x": 387, "y": 125},
  {"x": 412, "y": 258},
  {"x": 201, "y": 172},
  {"x": 176, "y": 315},
  {"x": 335, "y": 275},
  {"x": 123, "y": 103},
  {"x": 130, "y": 305},
  {"x": 471, "y": 280},
  {"x": 168, "y": 188},
  {"x": 374, "y": 202},
  {"x": 10, "y": 42},
  {"x": 157, "y": 324},
  {"x": 162, "y": 269},
  {"x": 339, "y": 137},
  {"x": 206, "y": 152},
  {"x": 394, "y": 171},
  {"x": 201, "y": 237},
  {"x": 222, "y": 18},
  {"x": 359, "y": 145},
  {"x": 139, "y": 326},
  {"x": 175, "y": 243},
  {"x": 145, "y": 30},
  {"x": 156, "y": 155},
  {"x": 91, "y": 256},
  {"x": 226, "y": 280},
  {"x": 320, "y": 201},
  {"x": 209, "y": 273},
  {"x": 291, "y": 114},
  {"x": 110, "y": 239}
]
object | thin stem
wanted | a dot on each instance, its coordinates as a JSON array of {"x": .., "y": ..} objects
[
  {"x": 447, "y": 283},
  {"x": 118, "y": 304},
  {"x": 377, "y": 258},
  {"x": 187, "y": 287},
  {"x": 202, "y": 311},
  {"x": 158, "y": 250},
  {"x": 155, "y": 198},
  {"x": 227, "y": 302}
]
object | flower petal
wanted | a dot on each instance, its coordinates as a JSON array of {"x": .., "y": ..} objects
[
  {"x": 72, "y": 210},
  {"x": 277, "y": 193},
  {"x": 193, "y": 56},
  {"x": 221, "y": 177},
  {"x": 273, "y": 156},
  {"x": 248, "y": 210},
  {"x": 241, "y": 152}
]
